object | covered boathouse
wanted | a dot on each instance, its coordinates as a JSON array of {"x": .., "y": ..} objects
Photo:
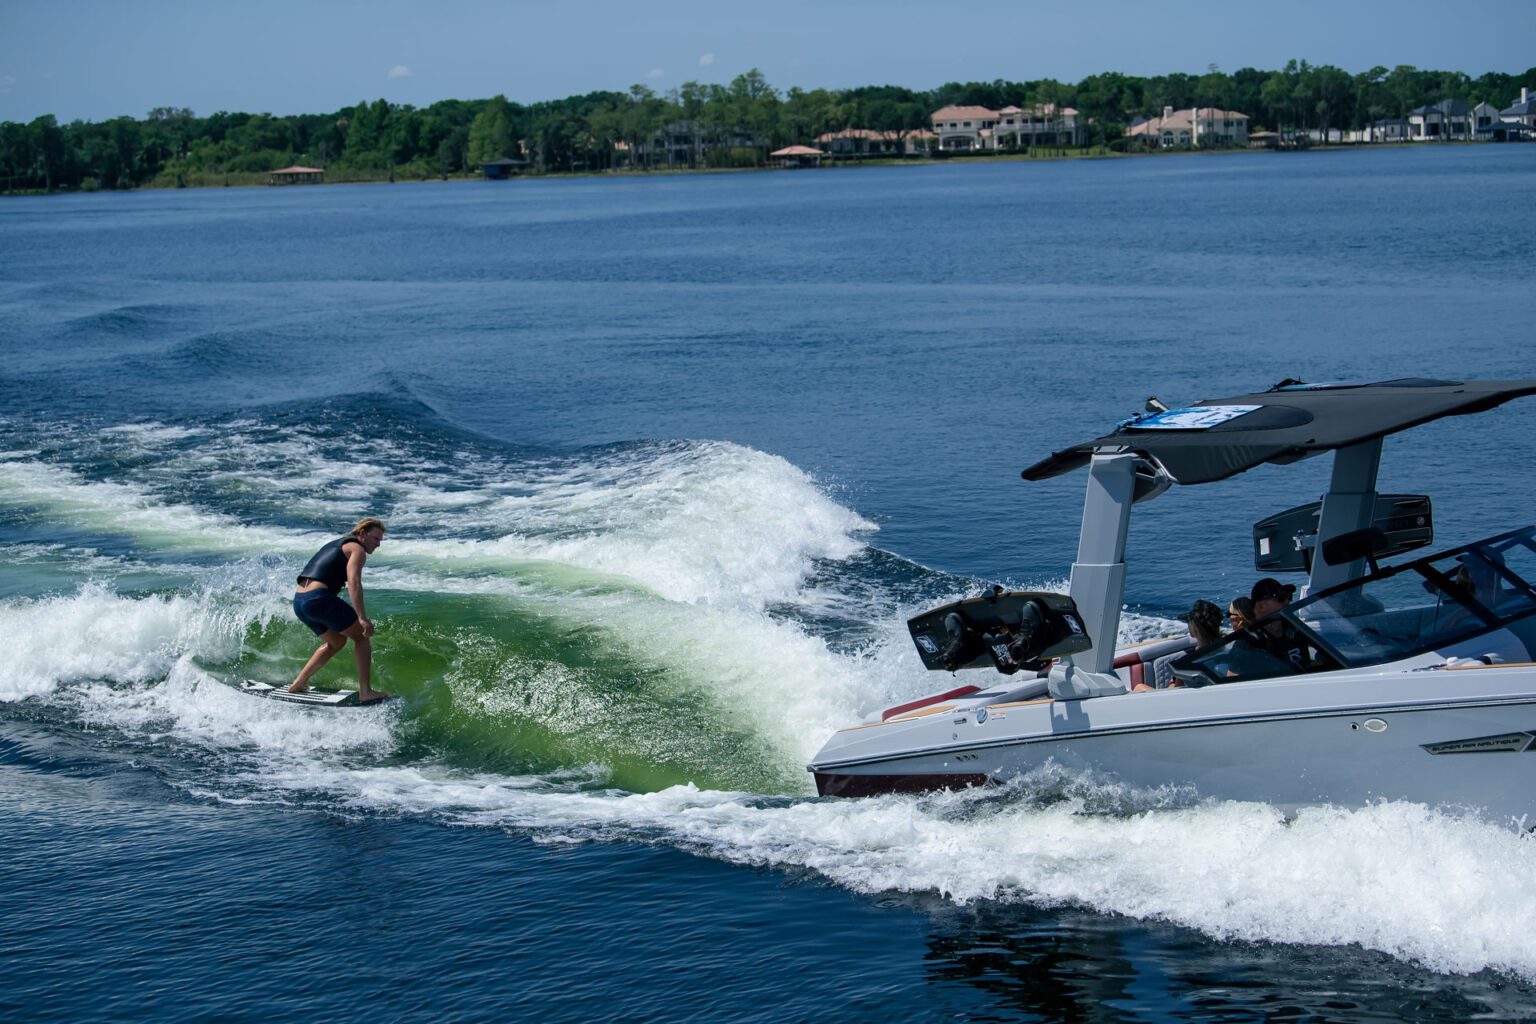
[
  {"x": 297, "y": 175},
  {"x": 798, "y": 156},
  {"x": 506, "y": 167}
]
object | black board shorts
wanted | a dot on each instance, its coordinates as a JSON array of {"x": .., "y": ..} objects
[{"x": 322, "y": 610}]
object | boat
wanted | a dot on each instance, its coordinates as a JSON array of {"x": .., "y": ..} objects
[{"x": 1406, "y": 680}]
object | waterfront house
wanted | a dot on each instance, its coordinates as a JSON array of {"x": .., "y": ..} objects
[
  {"x": 1523, "y": 112},
  {"x": 689, "y": 143},
  {"x": 297, "y": 175},
  {"x": 1506, "y": 131},
  {"x": 868, "y": 142},
  {"x": 1446, "y": 120},
  {"x": 918, "y": 141},
  {"x": 1483, "y": 115},
  {"x": 854, "y": 142},
  {"x": 692, "y": 144},
  {"x": 1197, "y": 126},
  {"x": 1388, "y": 129},
  {"x": 1044, "y": 124},
  {"x": 960, "y": 129}
]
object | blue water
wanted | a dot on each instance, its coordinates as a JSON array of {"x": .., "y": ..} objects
[{"x": 667, "y": 462}]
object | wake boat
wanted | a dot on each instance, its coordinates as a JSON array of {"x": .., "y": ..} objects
[{"x": 1410, "y": 681}]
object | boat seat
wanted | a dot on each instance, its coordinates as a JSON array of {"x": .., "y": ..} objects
[{"x": 1135, "y": 664}]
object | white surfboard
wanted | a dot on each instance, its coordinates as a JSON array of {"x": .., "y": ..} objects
[{"x": 314, "y": 696}]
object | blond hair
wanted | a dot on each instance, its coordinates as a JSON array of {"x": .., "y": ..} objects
[{"x": 366, "y": 524}]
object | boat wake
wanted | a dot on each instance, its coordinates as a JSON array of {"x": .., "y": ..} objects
[{"x": 642, "y": 643}]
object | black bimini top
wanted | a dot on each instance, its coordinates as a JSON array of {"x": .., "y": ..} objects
[{"x": 1221, "y": 437}]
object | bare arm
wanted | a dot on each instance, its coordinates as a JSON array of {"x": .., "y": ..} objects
[{"x": 355, "y": 562}]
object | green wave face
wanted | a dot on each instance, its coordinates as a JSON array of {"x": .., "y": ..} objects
[
  {"x": 637, "y": 619},
  {"x": 496, "y": 685}
]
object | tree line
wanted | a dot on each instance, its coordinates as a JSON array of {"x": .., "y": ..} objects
[{"x": 736, "y": 124}]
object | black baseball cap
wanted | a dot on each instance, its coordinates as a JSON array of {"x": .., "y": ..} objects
[{"x": 1271, "y": 589}]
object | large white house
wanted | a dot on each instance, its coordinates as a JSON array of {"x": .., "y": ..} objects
[
  {"x": 1523, "y": 112},
  {"x": 960, "y": 129},
  {"x": 1044, "y": 124},
  {"x": 1388, "y": 129},
  {"x": 1197, "y": 126},
  {"x": 1448, "y": 119}
]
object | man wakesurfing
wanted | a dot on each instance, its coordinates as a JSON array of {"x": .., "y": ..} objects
[{"x": 317, "y": 603}]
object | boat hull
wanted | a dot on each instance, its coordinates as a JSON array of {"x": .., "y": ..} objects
[
  {"x": 1392, "y": 736},
  {"x": 857, "y": 784}
]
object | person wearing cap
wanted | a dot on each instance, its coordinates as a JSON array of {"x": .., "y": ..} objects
[{"x": 1277, "y": 637}]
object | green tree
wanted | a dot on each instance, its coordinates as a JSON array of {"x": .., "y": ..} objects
[
  {"x": 490, "y": 134},
  {"x": 1370, "y": 96},
  {"x": 49, "y": 151}
]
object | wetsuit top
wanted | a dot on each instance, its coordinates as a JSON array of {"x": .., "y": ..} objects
[{"x": 329, "y": 566}]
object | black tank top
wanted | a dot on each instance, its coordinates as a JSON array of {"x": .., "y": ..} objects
[{"x": 329, "y": 566}]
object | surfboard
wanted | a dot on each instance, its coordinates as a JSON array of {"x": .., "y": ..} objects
[{"x": 313, "y": 697}]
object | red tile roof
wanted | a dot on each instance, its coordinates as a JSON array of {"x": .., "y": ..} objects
[
  {"x": 1184, "y": 120},
  {"x": 854, "y": 133},
  {"x": 963, "y": 114}
]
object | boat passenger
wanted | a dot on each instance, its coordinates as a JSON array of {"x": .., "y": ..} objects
[
  {"x": 1240, "y": 612},
  {"x": 1203, "y": 621},
  {"x": 1480, "y": 582}
]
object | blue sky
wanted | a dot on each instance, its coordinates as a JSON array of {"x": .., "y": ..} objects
[{"x": 95, "y": 60}]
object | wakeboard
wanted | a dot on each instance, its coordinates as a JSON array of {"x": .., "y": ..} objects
[
  {"x": 998, "y": 610},
  {"x": 312, "y": 697}
]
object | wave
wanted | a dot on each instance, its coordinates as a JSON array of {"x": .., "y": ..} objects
[
  {"x": 132, "y": 319},
  {"x": 1424, "y": 886},
  {"x": 638, "y": 643},
  {"x": 702, "y": 522},
  {"x": 606, "y": 608}
]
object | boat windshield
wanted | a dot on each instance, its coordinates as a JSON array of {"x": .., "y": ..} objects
[{"x": 1429, "y": 604}]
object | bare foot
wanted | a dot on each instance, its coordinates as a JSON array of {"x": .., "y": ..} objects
[
  {"x": 372, "y": 696},
  {"x": 297, "y": 687}
]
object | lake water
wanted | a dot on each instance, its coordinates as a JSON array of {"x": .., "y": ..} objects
[{"x": 666, "y": 463}]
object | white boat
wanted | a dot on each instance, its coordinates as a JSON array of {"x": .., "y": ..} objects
[{"x": 1414, "y": 681}]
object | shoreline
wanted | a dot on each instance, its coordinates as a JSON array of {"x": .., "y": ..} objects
[{"x": 831, "y": 165}]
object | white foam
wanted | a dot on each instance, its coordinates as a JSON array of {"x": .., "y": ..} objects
[
  {"x": 715, "y": 523},
  {"x": 152, "y": 434},
  {"x": 94, "y": 634},
  {"x": 1450, "y": 893},
  {"x": 705, "y": 523},
  {"x": 711, "y": 536},
  {"x": 116, "y": 508},
  {"x": 194, "y": 707}
]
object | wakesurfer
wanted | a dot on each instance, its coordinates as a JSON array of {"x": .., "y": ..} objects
[{"x": 317, "y": 603}]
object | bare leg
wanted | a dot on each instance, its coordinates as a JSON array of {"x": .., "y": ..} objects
[
  {"x": 333, "y": 642},
  {"x": 362, "y": 650}
]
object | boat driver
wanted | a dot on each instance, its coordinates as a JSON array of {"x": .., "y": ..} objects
[{"x": 1278, "y": 637}]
